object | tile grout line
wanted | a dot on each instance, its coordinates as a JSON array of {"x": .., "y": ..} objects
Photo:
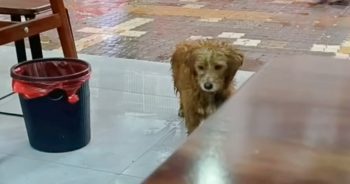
[
  {"x": 150, "y": 148},
  {"x": 63, "y": 164}
]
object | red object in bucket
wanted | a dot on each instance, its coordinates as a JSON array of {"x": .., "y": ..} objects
[{"x": 38, "y": 78}]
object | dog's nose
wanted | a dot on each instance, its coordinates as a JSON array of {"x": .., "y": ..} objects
[{"x": 208, "y": 85}]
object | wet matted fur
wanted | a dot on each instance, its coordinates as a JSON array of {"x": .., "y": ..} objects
[{"x": 203, "y": 71}]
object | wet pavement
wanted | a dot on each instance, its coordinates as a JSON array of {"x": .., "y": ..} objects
[{"x": 150, "y": 29}]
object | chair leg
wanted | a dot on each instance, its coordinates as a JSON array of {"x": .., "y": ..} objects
[
  {"x": 65, "y": 30},
  {"x": 70, "y": 25},
  {"x": 35, "y": 44},
  {"x": 19, "y": 44}
]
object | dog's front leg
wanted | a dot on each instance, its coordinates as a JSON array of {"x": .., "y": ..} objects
[
  {"x": 181, "y": 109},
  {"x": 192, "y": 121}
]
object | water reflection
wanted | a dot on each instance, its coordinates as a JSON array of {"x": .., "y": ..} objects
[
  {"x": 320, "y": 131},
  {"x": 211, "y": 167}
]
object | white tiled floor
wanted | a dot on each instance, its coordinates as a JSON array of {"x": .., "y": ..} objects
[
  {"x": 4, "y": 71},
  {"x": 134, "y": 126}
]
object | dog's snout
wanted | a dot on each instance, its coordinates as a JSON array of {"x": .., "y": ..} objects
[{"x": 208, "y": 85}]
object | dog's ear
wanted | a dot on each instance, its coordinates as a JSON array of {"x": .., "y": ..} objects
[
  {"x": 234, "y": 62},
  {"x": 191, "y": 61},
  {"x": 190, "y": 58},
  {"x": 184, "y": 54}
]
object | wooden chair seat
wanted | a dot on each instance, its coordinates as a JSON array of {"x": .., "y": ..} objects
[
  {"x": 35, "y": 24},
  {"x": 24, "y": 7}
]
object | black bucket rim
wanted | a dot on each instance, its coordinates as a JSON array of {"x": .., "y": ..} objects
[{"x": 84, "y": 72}]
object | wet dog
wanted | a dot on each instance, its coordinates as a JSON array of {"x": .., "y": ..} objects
[{"x": 203, "y": 71}]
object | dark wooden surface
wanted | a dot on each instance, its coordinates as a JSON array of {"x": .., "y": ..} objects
[
  {"x": 23, "y": 7},
  {"x": 289, "y": 124}
]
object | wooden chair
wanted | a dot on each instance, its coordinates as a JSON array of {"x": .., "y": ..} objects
[{"x": 16, "y": 31}]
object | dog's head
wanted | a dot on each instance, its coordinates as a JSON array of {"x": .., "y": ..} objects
[{"x": 213, "y": 64}]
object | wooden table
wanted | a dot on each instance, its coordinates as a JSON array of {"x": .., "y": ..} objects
[{"x": 290, "y": 124}]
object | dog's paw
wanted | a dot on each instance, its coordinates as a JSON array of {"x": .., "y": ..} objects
[
  {"x": 210, "y": 109},
  {"x": 181, "y": 113},
  {"x": 200, "y": 111}
]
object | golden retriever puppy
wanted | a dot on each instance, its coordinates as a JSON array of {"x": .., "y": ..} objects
[{"x": 203, "y": 71}]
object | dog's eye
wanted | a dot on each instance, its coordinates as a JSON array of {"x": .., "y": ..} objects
[
  {"x": 218, "y": 67},
  {"x": 201, "y": 67}
]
